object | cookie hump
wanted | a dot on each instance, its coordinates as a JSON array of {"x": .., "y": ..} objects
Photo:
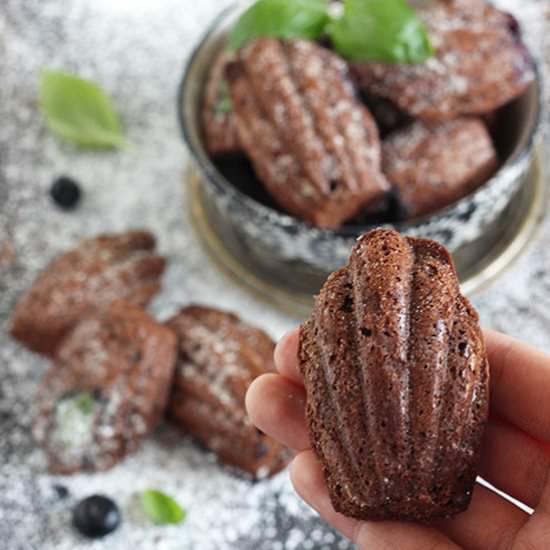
[
  {"x": 312, "y": 143},
  {"x": 432, "y": 165},
  {"x": 218, "y": 358},
  {"x": 83, "y": 282},
  {"x": 107, "y": 390},
  {"x": 396, "y": 375},
  {"x": 479, "y": 65}
]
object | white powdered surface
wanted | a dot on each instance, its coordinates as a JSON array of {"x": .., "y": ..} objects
[{"x": 136, "y": 50}]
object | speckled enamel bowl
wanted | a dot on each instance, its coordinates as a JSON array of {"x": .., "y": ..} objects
[{"x": 276, "y": 239}]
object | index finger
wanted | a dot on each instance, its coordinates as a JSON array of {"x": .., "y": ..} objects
[
  {"x": 286, "y": 356},
  {"x": 520, "y": 384}
]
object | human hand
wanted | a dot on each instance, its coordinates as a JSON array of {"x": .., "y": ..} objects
[{"x": 515, "y": 456}]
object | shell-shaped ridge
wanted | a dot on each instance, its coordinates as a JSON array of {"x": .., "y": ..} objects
[
  {"x": 219, "y": 356},
  {"x": 107, "y": 390},
  {"x": 313, "y": 145},
  {"x": 83, "y": 282},
  {"x": 397, "y": 382}
]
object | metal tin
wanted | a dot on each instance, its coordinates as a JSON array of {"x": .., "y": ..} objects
[{"x": 277, "y": 242}]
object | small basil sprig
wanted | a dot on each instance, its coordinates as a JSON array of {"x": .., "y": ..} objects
[
  {"x": 161, "y": 508},
  {"x": 224, "y": 104},
  {"x": 84, "y": 402},
  {"x": 385, "y": 30},
  {"x": 280, "y": 18},
  {"x": 368, "y": 30},
  {"x": 78, "y": 112}
]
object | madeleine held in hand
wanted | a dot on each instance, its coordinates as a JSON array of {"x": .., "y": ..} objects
[
  {"x": 397, "y": 381},
  {"x": 514, "y": 457}
]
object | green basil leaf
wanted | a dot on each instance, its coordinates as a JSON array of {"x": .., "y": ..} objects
[
  {"x": 161, "y": 508},
  {"x": 380, "y": 30},
  {"x": 224, "y": 103},
  {"x": 84, "y": 402},
  {"x": 280, "y": 18},
  {"x": 78, "y": 112}
]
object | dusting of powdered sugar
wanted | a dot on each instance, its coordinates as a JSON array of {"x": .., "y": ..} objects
[
  {"x": 214, "y": 362},
  {"x": 437, "y": 154},
  {"x": 136, "y": 50}
]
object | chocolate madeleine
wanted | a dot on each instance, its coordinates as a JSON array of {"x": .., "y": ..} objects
[
  {"x": 219, "y": 130},
  {"x": 107, "y": 390},
  {"x": 397, "y": 379},
  {"x": 434, "y": 164},
  {"x": 479, "y": 64},
  {"x": 312, "y": 143},
  {"x": 82, "y": 282},
  {"x": 219, "y": 357}
]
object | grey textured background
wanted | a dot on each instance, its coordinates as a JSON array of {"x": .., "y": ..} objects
[{"x": 136, "y": 50}]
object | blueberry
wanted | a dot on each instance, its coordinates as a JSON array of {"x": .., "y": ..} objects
[
  {"x": 96, "y": 516},
  {"x": 65, "y": 192},
  {"x": 61, "y": 491}
]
